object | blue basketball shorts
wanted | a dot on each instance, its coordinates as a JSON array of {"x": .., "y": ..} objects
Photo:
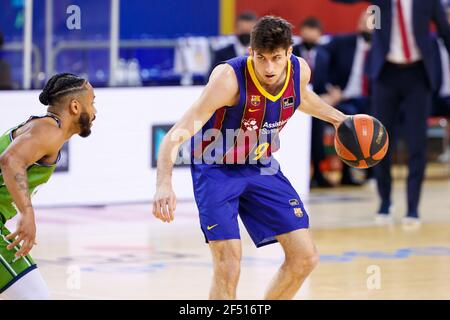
[{"x": 268, "y": 205}]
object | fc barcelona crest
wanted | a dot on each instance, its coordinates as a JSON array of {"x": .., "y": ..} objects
[
  {"x": 255, "y": 100},
  {"x": 298, "y": 212}
]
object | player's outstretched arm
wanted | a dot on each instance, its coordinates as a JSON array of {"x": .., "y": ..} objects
[
  {"x": 26, "y": 149},
  {"x": 312, "y": 104},
  {"x": 221, "y": 90}
]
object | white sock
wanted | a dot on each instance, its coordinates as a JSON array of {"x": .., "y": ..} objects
[{"x": 30, "y": 287}]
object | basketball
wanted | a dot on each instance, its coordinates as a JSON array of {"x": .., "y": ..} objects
[{"x": 361, "y": 141}]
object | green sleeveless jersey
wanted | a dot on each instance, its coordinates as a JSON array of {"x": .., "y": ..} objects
[{"x": 38, "y": 174}]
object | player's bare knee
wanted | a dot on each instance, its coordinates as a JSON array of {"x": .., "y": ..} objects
[
  {"x": 230, "y": 268},
  {"x": 314, "y": 261},
  {"x": 227, "y": 259},
  {"x": 302, "y": 265}
]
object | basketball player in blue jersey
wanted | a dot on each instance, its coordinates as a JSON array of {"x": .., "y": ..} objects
[{"x": 253, "y": 96}]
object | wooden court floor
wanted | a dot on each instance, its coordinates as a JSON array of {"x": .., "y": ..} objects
[{"x": 122, "y": 252}]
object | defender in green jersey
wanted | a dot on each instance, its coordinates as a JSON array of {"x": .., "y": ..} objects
[{"x": 29, "y": 153}]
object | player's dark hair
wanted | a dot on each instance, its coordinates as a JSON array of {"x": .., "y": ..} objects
[
  {"x": 247, "y": 16},
  {"x": 60, "y": 85},
  {"x": 271, "y": 33},
  {"x": 311, "y": 22}
]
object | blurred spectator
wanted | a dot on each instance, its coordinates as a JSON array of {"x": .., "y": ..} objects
[
  {"x": 192, "y": 57},
  {"x": 241, "y": 41},
  {"x": 5, "y": 71},
  {"x": 403, "y": 77},
  {"x": 318, "y": 60},
  {"x": 314, "y": 54},
  {"x": 348, "y": 71},
  {"x": 441, "y": 97}
]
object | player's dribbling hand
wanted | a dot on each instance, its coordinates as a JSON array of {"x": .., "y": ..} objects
[
  {"x": 338, "y": 123},
  {"x": 26, "y": 233},
  {"x": 164, "y": 203}
]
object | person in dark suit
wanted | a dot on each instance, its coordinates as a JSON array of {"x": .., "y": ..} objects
[
  {"x": 403, "y": 77},
  {"x": 441, "y": 96},
  {"x": 5, "y": 71},
  {"x": 318, "y": 60},
  {"x": 348, "y": 71},
  {"x": 239, "y": 47}
]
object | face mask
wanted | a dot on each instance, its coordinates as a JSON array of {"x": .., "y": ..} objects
[
  {"x": 309, "y": 45},
  {"x": 244, "y": 39},
  {"x": 367, "y": 36}
]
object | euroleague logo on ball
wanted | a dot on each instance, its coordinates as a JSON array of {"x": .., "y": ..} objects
[
  {"x": 380, "y": 136},
  {"x": 250, "y": 125}
]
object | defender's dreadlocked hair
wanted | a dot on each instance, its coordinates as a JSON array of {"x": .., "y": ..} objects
[{"x": 59, "y": 86}]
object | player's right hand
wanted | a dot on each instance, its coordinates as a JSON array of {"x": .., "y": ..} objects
[
  {"x": 164, "y": 203},
  {"x": 25, "y": 235}
]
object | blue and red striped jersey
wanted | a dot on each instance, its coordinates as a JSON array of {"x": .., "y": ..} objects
[{"x": 248, "y": 131}]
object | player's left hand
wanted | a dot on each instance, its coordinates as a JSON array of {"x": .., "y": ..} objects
[{"x": 25, "y": 232}]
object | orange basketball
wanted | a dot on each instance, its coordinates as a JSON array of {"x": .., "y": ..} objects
[{"x": 361, "y": 141}]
